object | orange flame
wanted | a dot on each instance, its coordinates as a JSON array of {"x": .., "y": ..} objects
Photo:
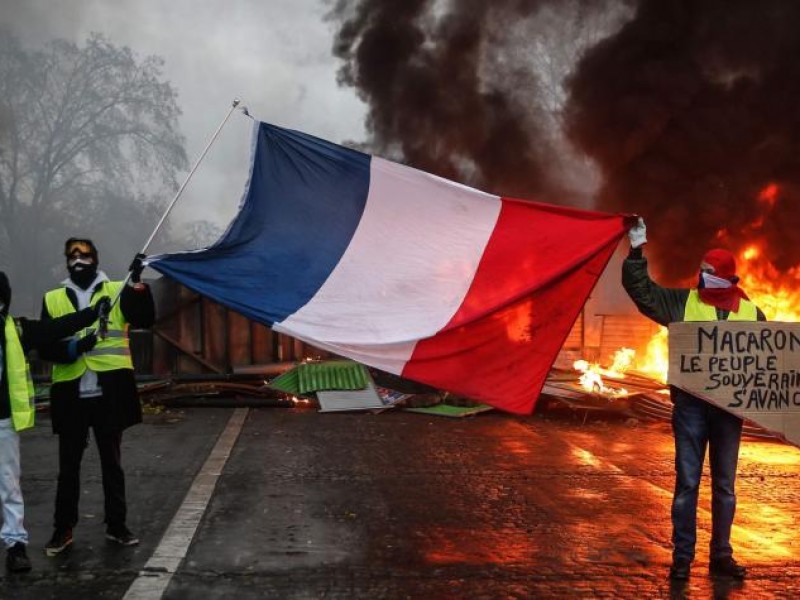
[
  {"x": 776, "y": 293},
  {"x": 769, "y": 194},
  {"x": 592, "y": 378},
  {"x": 767, "y": 198},
  {"x": 655, "y": 359}
]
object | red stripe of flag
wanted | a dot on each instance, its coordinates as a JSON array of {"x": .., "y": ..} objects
[{"x": 545, "y": 259}]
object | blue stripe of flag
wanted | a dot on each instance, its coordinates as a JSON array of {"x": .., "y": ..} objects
[{"x": 304, "y": 202}]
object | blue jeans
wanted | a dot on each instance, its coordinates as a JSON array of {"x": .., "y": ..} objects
[
  {"x": 13, "y": 530},
  {"x": 696, "y": 424}
]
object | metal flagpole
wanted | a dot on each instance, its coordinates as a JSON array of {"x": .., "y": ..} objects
[{"x": 234, "y": 104}]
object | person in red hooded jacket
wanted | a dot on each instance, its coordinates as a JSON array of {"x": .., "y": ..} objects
[{"x": 697, "y": 424}]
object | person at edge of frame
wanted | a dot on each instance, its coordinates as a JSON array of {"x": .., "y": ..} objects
[{"x": 17, "y": 409}]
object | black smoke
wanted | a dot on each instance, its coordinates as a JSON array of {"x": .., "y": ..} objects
[
  {"x": 691, "y": 110},
  {"x": 446, "y": 93}
]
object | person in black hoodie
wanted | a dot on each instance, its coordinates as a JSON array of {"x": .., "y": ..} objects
[
  {"x": 17, "y": 337},
  {"x": 97, "y": 391}
]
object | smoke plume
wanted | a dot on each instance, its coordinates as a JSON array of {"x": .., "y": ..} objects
[
  {"x": 691, "y": 111},
  {"x": 453, "y": 88}
]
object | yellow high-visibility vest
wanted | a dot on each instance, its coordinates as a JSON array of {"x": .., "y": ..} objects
[
  {"x": 697, "y": 310},
  {"x": 20, "y": 383},
  {"x": 109, "y": 354}
]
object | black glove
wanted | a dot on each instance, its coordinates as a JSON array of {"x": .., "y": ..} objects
[
  {"x": 102, "y": 308},
  {"x": 137, "y": 267},
  {"x": 86, "y": 343}
]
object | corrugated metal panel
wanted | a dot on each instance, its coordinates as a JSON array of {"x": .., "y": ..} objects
[{"x": 328, "y": 375}]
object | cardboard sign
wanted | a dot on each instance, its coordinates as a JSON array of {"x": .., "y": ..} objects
[{"x": 751, "y": 369}]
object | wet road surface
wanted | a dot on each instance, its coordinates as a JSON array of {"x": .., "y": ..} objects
[{"x": 402, "y": 505}]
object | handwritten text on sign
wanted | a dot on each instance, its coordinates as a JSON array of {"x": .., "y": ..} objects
[{"x": 749, "y": 369}]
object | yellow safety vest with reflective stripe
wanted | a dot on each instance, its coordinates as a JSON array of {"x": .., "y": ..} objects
[
  {"x": 109, "y": 354},
  {"x": 697, "y": 310},
  {"x": 20, "y": 383}
]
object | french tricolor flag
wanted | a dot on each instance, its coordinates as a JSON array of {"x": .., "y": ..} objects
[{"x": 402, "y": 270}]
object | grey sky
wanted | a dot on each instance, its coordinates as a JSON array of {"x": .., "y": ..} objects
[{"x": 273, "y": 54}]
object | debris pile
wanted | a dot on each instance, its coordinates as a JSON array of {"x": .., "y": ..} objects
[{"x": 343, "y": 385}]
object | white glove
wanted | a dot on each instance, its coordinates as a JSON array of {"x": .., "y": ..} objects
[{"x": 638, "y": 234}]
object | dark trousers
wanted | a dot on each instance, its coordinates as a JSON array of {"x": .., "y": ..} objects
[
  {"x": 70, "y": 452},
  {"x": 698, "y": 425}
]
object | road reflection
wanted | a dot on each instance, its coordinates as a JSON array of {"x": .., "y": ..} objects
[{"x": 603, "y": 498}]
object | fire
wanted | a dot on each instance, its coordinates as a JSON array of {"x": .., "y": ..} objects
[
  {"x": 653, "y": 363},
  {"x": 655, "y": 359},
  {"x": 623, "y": 360},
  {"x": 776, "y": 293},
  {"x": 769, "y": 195},
  {"x": 592, "y": 378}
]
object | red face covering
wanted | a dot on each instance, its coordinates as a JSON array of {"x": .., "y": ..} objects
[{"x": 724, "y": 267}]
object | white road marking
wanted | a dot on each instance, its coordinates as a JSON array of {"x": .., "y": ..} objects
[{"x": 154, "y": 578}]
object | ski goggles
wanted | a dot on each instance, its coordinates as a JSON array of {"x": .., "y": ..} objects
[{"x": 80, "y": 247}]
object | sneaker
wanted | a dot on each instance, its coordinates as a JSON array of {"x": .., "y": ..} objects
[
  {"x": 122, "y": 536},
  {"x": 17, "y": 560},
  {"x": 679, "y": 570},
  {"x": 61, "y": 540},
  {"x": 726, "y": 567}
]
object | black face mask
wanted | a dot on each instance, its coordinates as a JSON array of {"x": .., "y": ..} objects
[{"x": 82, "y": 275}]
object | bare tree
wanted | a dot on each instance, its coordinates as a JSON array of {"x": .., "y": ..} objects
[{"x": 83, "y": 131}]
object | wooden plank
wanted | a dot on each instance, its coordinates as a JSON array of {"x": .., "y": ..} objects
[
  {"x": 187, "y": 353},
  {"x": 285, "y": 348},
  {"x": 188, "y": 332},
  {"x": 215, "y": 339},
  {"x": 238, "y": 340},
  {"x": 165, "y": 295},
  {"x": 261, "y": 342},
  {"x": 575, "y": 338},
  {"x": 624, "y": 331}
]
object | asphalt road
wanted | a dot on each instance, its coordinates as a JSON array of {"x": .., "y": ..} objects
[{"x": 293, "y": 504}]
